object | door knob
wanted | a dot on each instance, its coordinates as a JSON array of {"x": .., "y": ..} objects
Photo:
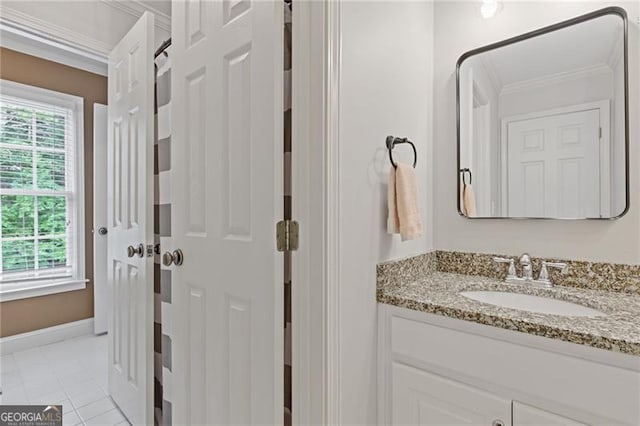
[
  {"x": 176, "y": 258},
  {"x": 497, "y": 422},
  {"x": 102, "y": 230},
  {"x": 132, "y": 251}
]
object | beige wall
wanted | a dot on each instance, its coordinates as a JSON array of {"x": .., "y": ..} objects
[{"x": 20, "y": 316}]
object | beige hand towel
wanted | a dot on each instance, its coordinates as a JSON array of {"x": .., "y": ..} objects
[
  {"x": 393, "y": 223},
  {"x": 404, "y": 214},
  {"x": 469, "y": 201}
]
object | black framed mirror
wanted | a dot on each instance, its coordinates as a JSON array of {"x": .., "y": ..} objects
[{"x": 542, "y": 122}]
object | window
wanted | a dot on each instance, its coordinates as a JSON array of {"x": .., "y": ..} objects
[{"x": 41, "y": 191}]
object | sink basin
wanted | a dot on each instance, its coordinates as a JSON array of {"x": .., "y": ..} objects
[{"x": 527, "y": 302}]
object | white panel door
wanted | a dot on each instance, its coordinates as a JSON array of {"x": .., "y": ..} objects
[
  {"x": 554, "y": 166},
  {"x": 421, "y": 398},
  {"x": 526, "y": 415},
  {"x": 101, "y": 296},
  {"x": 130, "y": 217},
  {"x": 227, "y": 188}
]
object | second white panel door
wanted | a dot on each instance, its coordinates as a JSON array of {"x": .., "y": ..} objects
[
  {"x": 130, "y": 222},
  {"x": 227, "y": 153}
]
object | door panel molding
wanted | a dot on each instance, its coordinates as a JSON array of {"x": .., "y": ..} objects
[{"x": 101, "y": 289}]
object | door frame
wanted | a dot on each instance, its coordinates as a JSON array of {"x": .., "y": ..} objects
[
  {"x": 316, "y": 370},
  {"x": 101, "y": 287},
  {"x": 605, "y": 148}
]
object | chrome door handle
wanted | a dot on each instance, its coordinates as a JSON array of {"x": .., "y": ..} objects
[
  {"x": 132, "y": 251},
  {"x": 102, "y": 230},
  {"x": 167, "y": 258},
  {"x": 177, "y": 258}
]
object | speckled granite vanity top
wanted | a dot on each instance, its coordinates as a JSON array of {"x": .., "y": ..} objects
[{"x": 439, "y": 293}]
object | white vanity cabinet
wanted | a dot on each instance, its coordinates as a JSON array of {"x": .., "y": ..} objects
[
  {"x": 435, "y": 370},
  {"x": 422, "y": 398}
]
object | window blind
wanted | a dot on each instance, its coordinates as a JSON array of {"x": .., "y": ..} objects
[{"x": 37, "y": 190}]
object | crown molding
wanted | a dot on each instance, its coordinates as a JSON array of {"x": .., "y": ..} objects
[
  {"x": 537, "y": 83},
  {"x": 136, "y": 8},
  {"x": 44, "y": 30},
  {"x": 32, "y": 44}
]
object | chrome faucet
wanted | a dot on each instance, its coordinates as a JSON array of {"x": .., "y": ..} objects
[{"x": 527, "y": 271}]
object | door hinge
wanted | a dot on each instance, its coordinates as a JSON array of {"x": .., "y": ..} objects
[
  {"x": 287, "y": 235},
  {"x": 600, "y": 132}
]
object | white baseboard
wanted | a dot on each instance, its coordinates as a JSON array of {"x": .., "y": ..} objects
[{"x": 45, "y": 336}]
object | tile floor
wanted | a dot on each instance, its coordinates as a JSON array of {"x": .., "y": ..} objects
[{"x": 72, "y": 373}]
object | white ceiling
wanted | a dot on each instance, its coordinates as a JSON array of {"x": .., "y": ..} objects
[
  {"x": 566, "y": 50},
  {"x": 162, "y": 6}
]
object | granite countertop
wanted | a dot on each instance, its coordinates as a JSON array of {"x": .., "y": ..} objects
[{"x": 438, "y": 293}]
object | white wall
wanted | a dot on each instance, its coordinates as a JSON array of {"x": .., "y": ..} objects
[
  {"x": 459, "y": 28},
  {"x": 385, "y": 89}
]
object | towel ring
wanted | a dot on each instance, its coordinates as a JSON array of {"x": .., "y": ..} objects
[
  {"x": 464, "y": 176},
  {"x": 393, "y": 141}
]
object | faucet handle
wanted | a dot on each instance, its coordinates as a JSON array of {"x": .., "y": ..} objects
[
  {"x": 511, "y": 273},
  {"x": 544, "y": 273}
]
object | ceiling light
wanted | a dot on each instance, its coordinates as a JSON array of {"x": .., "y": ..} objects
[{"x": 489, "y": 8}]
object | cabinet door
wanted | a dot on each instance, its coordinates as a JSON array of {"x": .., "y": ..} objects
[
  {"x": 421, "y": 398},
  {"x": 526, "y": 415}
]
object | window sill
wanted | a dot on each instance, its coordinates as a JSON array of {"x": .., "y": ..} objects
[{"x": 40, "y": 288}]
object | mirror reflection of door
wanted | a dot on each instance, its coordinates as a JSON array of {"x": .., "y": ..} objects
[
  {"x": 481, "y": 159},
  {"x": 554, "y": 164}
]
